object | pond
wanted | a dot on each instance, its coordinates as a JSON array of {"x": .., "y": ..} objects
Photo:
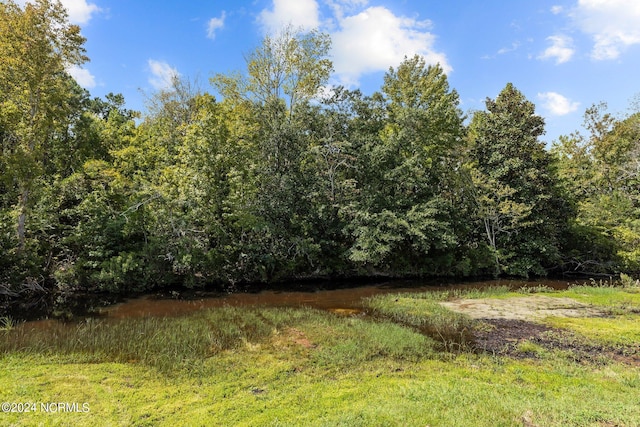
[{"x": 344, "y": 300}]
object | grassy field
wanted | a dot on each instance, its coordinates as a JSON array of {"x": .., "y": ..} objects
[{"x": 408, "y": 362}]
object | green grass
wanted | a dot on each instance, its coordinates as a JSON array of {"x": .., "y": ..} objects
[
  {"x": 183, "y": 344},
  {"x": 621, "y": 303},
  {"x": 273, "y": 385},
  {"x": 271, "y": 366},
  {"x": 453, "y": 331},
  {"x": 621, "y": 331},
  {"x": 617, "y": 300}
]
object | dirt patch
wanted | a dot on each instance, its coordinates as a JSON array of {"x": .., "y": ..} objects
[
  {"x": 504, "y": 336},
  {"x": 505, "y": 323},
  {"x": 297, "y": 337},
  {"x": 534, "y": 307}
]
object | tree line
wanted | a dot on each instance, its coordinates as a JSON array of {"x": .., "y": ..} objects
[{"x": 281, "y": 176}]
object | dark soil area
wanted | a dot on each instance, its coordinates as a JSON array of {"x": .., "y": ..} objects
[{"x": 502, "y": 336}]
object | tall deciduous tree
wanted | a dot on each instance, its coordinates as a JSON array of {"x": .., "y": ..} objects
[
  {"x": 602, "y": 170},
  {"x": 285, "y": 71},
  {"x": 518, "y": 206},
  {"x": 290, "y": 66},
  {"x": 404, "y": 215},
  {"x": 283, "y": 74},
  {"x": 37, "y": 43}
]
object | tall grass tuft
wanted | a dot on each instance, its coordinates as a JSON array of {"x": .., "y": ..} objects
[
  {"x": 6, "y": 323},
  {"x": 539, "y": 289},
  {"x": 168, "y": 344},
  {"x": 453, "y": 331},
  {"x": 488, "y": 292},
  {"x": 629, "y": 282}
]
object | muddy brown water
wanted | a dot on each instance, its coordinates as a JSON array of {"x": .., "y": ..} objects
[
  {"x": 332, "y": 300},
  {"x": 345, "y": 301}
]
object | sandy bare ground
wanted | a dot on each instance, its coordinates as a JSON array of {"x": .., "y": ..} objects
[{"x": 529, "y": 308}]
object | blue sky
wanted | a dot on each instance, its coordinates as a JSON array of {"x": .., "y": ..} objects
[{"x": 564, "y": 55}]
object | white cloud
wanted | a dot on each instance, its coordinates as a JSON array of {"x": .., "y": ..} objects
[
  {"x": 80, "y": 12},
  {"x": 557, "y": 104},
  {"x": 300, "y": 13},
  {"x": 215, "y": 24},
  {"x": 613, "y": 24},
  {"x": 82, "y": 76},
  {"x": 514, "y": 46},
  {"x": 365, "y": 39},
  {"x": 375, "y": 39},
  {"x": 506, "y": 50},
  {"x": 556, "y": 10},
  {"x": 560, "y": 49},
  {"x": 162, "y": 74}
]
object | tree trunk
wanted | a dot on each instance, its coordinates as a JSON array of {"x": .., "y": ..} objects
[
  {"x": 489, "y": 226},
  {"x": 22, "y": 218}
]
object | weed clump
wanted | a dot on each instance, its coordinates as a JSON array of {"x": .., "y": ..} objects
[
  {"x": 6, "y": 323},
  {"x": 453, "y": 331},
  {"x": 629, "y": 282}
]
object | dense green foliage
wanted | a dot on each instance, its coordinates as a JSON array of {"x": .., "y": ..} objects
[
  {"x": 515, "y": 189},
  {"x": 602, "y": 175},
  {"x": 285, "y": 177}
]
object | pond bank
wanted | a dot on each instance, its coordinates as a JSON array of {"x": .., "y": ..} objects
[{"x": 336, "y": 296}]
